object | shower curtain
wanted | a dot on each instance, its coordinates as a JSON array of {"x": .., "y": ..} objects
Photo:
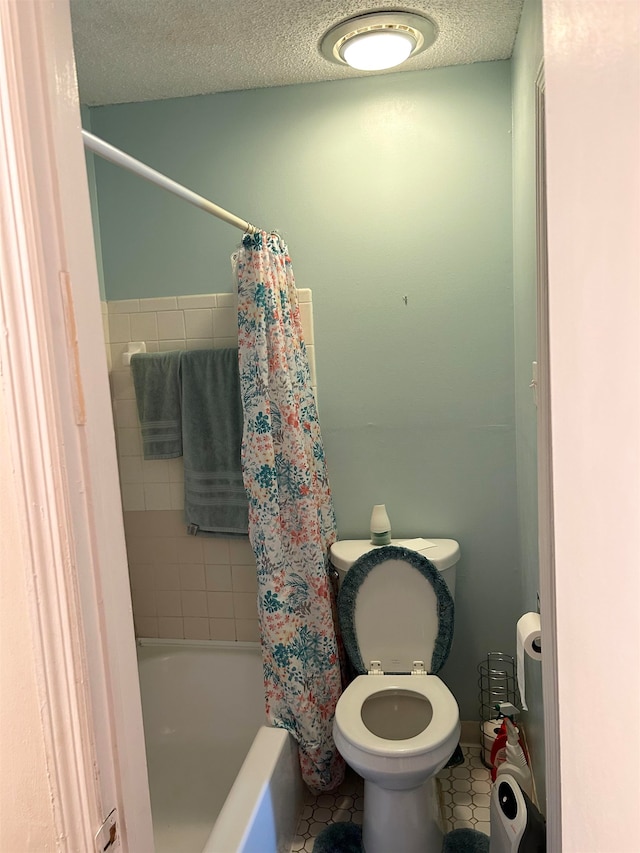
[{"x": 291, "y": 518}]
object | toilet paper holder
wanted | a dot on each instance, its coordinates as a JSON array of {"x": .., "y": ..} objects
[{"x": 498, "y": 686}]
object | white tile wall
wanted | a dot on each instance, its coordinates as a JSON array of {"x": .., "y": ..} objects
[
  {"x": 167, "y": 323},
  {"x": 186, "y": 587},
  {"x": 182, "y": 586}
]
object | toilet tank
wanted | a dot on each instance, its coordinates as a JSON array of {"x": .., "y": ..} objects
[{"x": 443, "y": 553}]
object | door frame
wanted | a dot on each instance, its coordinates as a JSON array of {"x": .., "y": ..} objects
[
  {"x": 56, "y": 394},
  {"x": 546, "y": 558},
  {"x": 592, "y": 110}
]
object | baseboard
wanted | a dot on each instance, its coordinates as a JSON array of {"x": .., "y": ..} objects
[{"x": 470, "y": 732}]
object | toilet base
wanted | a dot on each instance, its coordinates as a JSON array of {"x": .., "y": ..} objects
[{"x": 401, "y": 821}]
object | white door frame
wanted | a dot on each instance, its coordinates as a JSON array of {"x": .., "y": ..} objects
[
  {"x": 546, "y": 559},
  {"x": 63, "y": 444},
  {"x": 592, "y": 97},
  {"x": 55, "y": 388}
]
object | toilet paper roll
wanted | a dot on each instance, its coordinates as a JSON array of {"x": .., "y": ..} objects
[
  {"x": 489, "y": 731},
  {"x": 528, "y": 641}
]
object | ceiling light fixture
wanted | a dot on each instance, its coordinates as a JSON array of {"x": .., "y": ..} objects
[{"x": 378, "y": 40}]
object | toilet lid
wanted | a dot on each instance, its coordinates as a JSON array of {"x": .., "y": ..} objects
[{"x": 395, "y": 607}]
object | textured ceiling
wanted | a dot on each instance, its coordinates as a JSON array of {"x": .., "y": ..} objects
[{"x": 140, "y": 50}]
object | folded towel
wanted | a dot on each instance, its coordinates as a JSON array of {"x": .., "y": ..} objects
[
  {"x": 156, "y": 378},
  {"x": 212, "y": 421}
]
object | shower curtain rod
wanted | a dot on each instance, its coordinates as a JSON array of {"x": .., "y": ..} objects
[{"x": 114, "y": 155}]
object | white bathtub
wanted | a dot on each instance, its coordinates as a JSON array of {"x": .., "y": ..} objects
[{"x": 203, "y": 709}]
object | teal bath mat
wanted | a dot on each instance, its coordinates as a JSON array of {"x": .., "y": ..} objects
[
  {"x": 465, "y": 841},
  {"x": 347, "y": 838},
  {"x": 339, "y": 838}
]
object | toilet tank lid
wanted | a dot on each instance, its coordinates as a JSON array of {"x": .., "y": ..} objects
[{"x": 443, "y": 553}]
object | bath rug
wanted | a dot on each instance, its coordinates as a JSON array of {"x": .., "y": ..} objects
[
  {"x": 347, "y": 838},
  {"x": 342, "y": 837},
  {"x": 465, "y": 841}
]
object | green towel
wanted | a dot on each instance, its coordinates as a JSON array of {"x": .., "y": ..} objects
[
  {"x": 215, "y": 500},
  {"x": 156, "y": 378}
]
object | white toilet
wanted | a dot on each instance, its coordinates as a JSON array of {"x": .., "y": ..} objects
[{"x": 397, "y": 724}]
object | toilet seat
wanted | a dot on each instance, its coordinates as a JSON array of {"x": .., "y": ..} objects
[{"x": 438, "y": 731}]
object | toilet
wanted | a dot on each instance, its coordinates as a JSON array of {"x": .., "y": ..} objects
[{"x": 397, "y": 724}]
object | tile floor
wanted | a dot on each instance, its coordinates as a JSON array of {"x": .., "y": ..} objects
[
  {"x": 345, "y": 804},
  {"x": 464, "y": 796},
  {"x": 465, "y": 791}
]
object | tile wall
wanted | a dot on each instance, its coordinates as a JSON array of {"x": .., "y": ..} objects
[{"x": 183, "y": 587}]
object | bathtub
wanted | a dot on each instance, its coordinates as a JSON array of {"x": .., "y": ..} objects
[{"x": 221, "y": 781}]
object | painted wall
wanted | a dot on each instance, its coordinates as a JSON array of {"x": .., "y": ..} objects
[
  {"x": 85, "y": 115},
  {"x": 394, "y": 194},
  {"x": 526, "y": 60}
]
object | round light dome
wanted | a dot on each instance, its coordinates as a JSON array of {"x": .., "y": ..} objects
[
  {"x": 377, "y": 49},
  {"x": 378, "y": 40}
]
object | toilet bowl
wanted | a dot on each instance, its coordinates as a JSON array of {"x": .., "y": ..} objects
[{"x": 397, "y": 724}]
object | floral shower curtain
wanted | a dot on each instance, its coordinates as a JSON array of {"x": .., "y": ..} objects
[{"x": 291, "y": 518}]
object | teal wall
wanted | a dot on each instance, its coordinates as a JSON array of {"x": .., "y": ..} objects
[
  {"x": 384, "y": 187},
  {"x": 526, "y": 62},
  {"x": 85, "y": 114}
]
